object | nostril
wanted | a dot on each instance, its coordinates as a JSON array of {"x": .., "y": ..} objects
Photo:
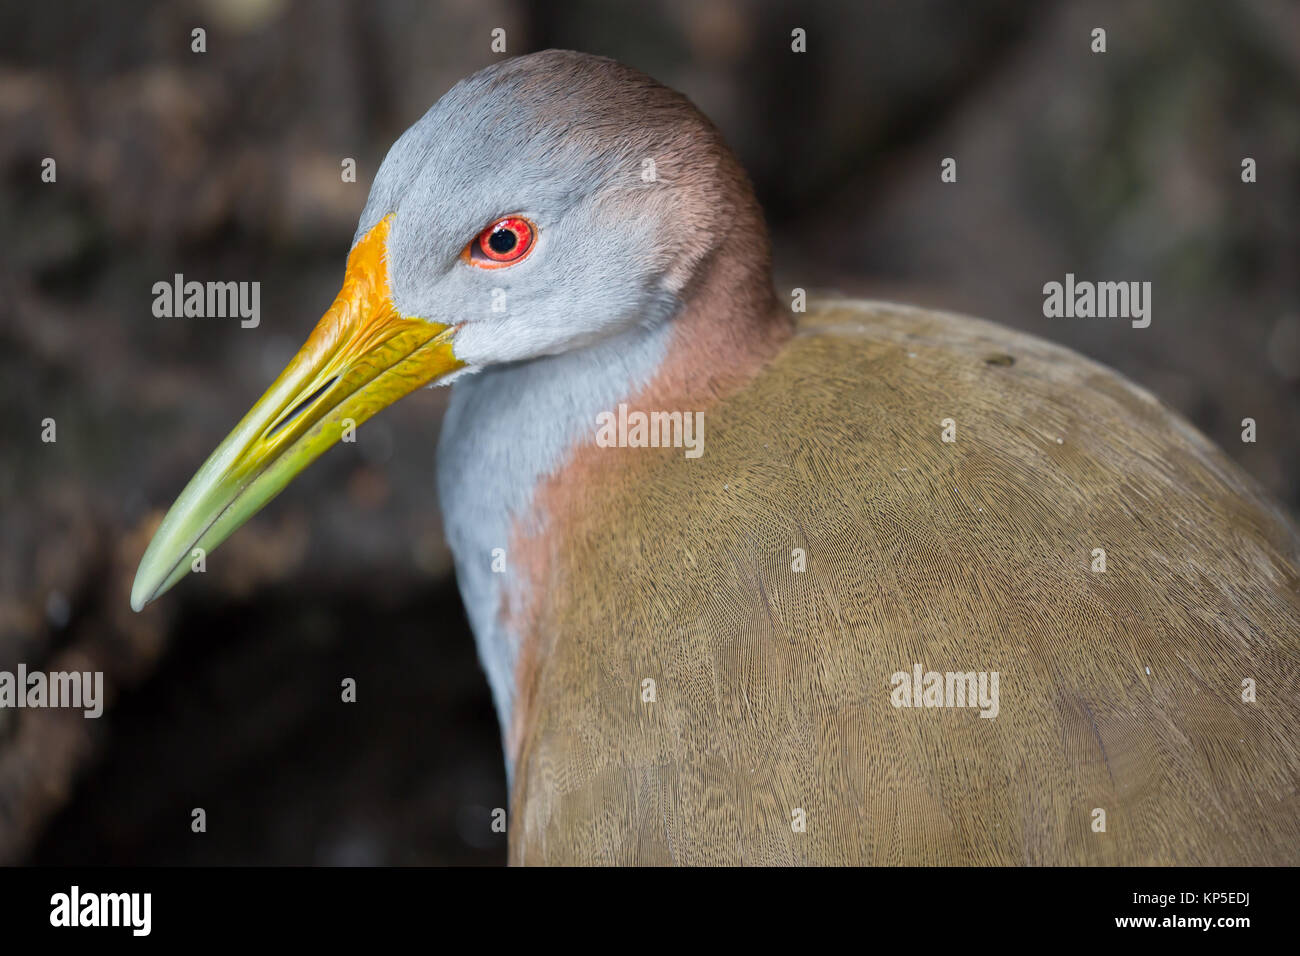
[{"x": 298, "y": 409}]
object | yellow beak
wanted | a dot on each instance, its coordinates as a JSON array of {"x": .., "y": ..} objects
[{"x": 362, "y": 356}]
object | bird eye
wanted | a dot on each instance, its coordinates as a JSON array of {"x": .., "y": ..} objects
[{"x": 503, "y": 243}]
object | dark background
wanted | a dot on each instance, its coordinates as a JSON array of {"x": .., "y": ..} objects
[{"x": 225, "y": 165}]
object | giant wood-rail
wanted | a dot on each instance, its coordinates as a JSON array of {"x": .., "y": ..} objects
[{"x": 693, "y": 656}]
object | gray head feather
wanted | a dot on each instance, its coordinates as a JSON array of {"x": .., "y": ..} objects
[{"x": 563, "y": 139}]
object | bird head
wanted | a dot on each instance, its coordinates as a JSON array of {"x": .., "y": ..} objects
[{"x": 542, "y": 205}]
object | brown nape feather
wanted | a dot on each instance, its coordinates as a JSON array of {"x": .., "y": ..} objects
[{"x": 1119, "y": 690}]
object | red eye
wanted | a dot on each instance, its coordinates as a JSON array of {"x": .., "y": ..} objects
[{"x": 503, "y": 243}]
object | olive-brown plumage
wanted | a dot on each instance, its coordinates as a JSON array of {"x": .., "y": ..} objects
[{"x": 1119, "y": 690}]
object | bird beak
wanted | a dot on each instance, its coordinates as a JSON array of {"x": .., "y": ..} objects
[{"x": 362, "y": 356}]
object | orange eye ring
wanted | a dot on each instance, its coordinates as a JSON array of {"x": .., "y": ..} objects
[{"x": 503, "y": 243}]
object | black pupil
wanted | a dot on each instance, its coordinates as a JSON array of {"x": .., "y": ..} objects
[{"x": 502, "y": 241}]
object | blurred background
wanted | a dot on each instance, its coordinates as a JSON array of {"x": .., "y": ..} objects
[{"x": 226, "y": 166}]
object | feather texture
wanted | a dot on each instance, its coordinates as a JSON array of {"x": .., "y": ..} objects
[{"x": 1119, "y": 690}]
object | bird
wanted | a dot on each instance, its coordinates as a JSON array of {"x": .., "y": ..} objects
[{"x": 722, "y": 559}]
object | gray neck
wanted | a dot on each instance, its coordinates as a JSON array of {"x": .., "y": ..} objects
[{"x": 507, "y": 428}]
